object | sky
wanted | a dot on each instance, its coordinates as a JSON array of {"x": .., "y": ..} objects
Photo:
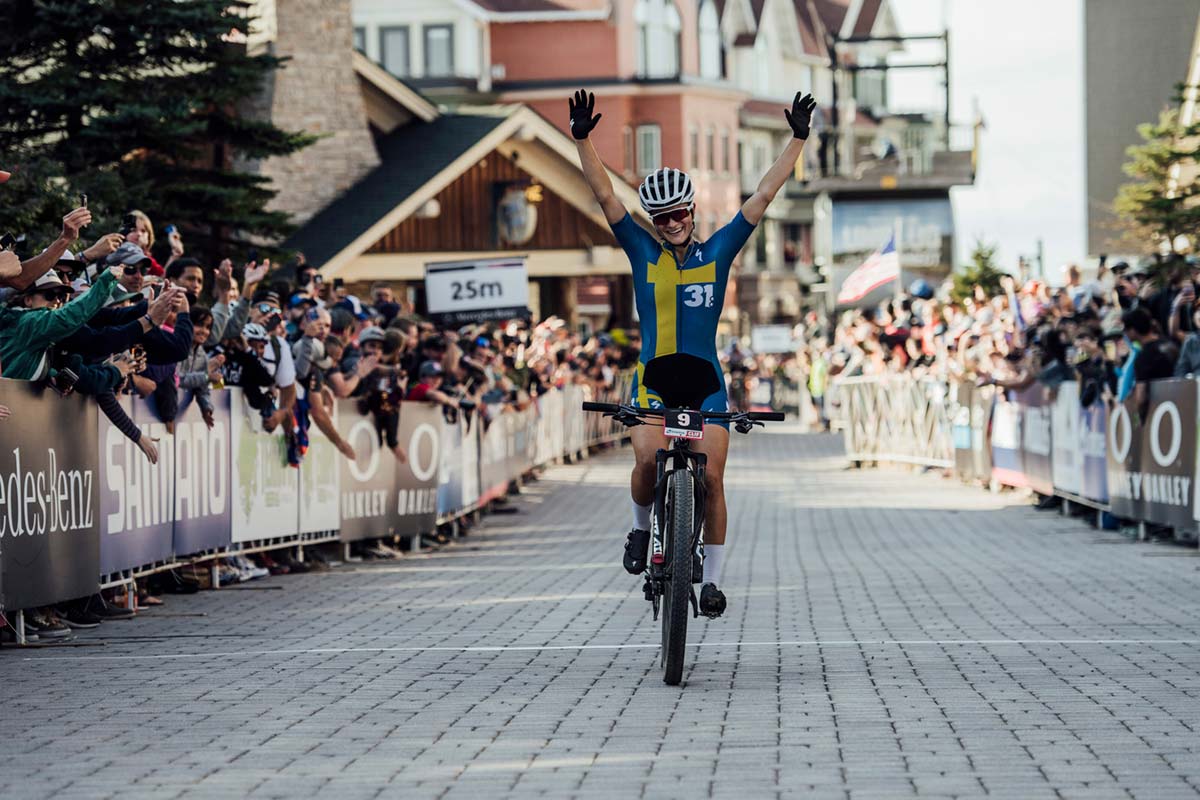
[{"x": 1021, "y": 62}]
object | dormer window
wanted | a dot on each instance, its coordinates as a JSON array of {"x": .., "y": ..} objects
[{"x": 659, "y": 38}]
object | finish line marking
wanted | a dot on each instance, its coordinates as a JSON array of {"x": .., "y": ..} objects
[{"x": 638, "y": 646}]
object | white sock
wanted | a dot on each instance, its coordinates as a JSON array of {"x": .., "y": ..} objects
[
  {"x": 714, "y": 555},
  {"x": 641, "y": 517}
]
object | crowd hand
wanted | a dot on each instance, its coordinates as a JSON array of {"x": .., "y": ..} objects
[
  {"x": 176, "y": 242},
  {"x": 125, "y": 364},
  {"x": 582, "y": 119},
  {"x": 10, "y": 264},
  {"x": 223, "y": 277},
  {"x": 800, "y": 115},
  {"x": 214, "y": 367},
  {"x": 163, "y": 305},
  {"x": 104, "y": 246},
  {"x": 75, "y": 221},
  {"x": 147, "y": 445},
  {"x": 5, "y": 412},
  {"x": 366, "y": 365},
  {"x": 207, "y": 415},
  {"x": 255, "y": 272},
  {"x": 1008, "y": 283},
  {"x": 401, "y": 454},
  {"x": 345, "y": 449}
]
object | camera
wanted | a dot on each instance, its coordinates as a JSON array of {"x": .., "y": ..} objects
[
  {"x": 7, "y": 241},
  {"x": 128, "y": 225},
  {"x": 63, "y": 381},
  {"x": 272, "y": 322}
]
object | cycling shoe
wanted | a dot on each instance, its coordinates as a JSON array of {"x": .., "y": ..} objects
[
  {"x": 635, "y": 552},
  {"x": 712, "y": 601}
]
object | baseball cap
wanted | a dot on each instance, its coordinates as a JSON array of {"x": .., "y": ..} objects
[
  {"x": 371, "y": 334},
  {"x": 129, "y": 255},
  {"x": 354, "y": 306},
  {"x": 299, "y": 299},
  {"x": 430, "y": 368}
]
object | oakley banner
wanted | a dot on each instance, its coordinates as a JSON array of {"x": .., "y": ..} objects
[
  {"x": 49, "y": 497},
  {"x": 368, "y": 498},
  {"x": 1152, "y": 458},
  {"x": 202, "y": 486},
  {"x": 137, "y": 498},
  {"x": 458, "y": 477},
  {"x": 1035, "y": 438},
  {"x": 417, "y": 478}
]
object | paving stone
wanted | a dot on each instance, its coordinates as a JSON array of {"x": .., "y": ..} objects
[{"x": 889, "y": 634}]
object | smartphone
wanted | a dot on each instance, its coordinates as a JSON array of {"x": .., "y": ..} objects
[
  {"x": 128, "y": 225},
  {"x": 272, "y": 322},
  {"x": 318, "y": 279},
  {"x": 83, "y": 200},
  {"x": 252, "y": 256},
  {"x": 338, "y": 283},
  {"x": 7, "y": 241},
  {"x": 63, "y": 382}
]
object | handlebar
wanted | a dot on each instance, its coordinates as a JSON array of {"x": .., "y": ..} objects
[{"x": 751, "y": 416}]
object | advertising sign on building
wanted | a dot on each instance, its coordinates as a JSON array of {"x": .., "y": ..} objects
[
  {"x": 772, "y": 339},
  {"x": 458, "y": 292}
]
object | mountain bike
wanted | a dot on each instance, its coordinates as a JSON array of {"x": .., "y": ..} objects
[{"x": 677, "y": 518}]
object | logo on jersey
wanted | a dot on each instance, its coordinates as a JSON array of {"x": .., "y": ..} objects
[{"x": 698, "y": 294}]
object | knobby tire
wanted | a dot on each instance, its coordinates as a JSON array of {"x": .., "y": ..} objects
[{"x": 676, "y": 598}]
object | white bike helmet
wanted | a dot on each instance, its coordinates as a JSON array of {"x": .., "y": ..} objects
[
  {"x": 253, "y": 332},
  {"x": 665, "y": 189}
]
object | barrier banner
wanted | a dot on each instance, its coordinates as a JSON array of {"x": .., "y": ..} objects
[
  {"x": 49, "y": 497},
  {"x": 1035, "y": 438},
  {"x": 137, "y": 498},
  {"x": 450, "y": 473},
  {"x": 1152, "y": 461},
  {"x": 1094, "y": 479},
  {"x": 416, "y": 485},
  {"x": 982, "y": 399},
  {"x": 960, "y": 430},
  {"x": 367, "y": 485},
  {"x": 265, "y": 489},
  {"x": 320, "y": 471},
  {"x": 1006, "y": 441},
  {"x": 1065, "y": 420},
  {"x": 202, "y": 502},
  {"x": 574, "y": 434}
]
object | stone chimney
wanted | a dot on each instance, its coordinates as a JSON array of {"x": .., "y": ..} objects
[{"x": 316, "y": 92}]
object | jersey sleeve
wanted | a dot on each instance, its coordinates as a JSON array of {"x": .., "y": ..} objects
[
  {"x": 637, "y": 243},
  {"x": 730, "y": 240}
]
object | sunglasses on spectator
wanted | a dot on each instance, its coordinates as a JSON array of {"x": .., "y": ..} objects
[
  {"x": 134, "y": 269},
  {"x": 667, "y": 217},
  {"x": 265, "y": 308},
  {"x": 55, "y": 294}
]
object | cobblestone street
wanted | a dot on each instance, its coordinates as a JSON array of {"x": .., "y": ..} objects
[{"x": 888, "y": 634}]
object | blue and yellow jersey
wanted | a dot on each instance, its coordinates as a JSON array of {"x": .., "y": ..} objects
[{"x": 679, "y": 304}]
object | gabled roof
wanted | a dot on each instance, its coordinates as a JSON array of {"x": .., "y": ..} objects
[
  {"x": 410, "y": 157},
  {"x": 397, "y": 90},
  {"x": 833, "y": 14},
  {"x": 537, "y": 10},
  {"x": 865, "y": 21}
]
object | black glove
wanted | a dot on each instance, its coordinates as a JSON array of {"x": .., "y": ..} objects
[
  {"x": 800, "y": 117},
  {"x": 582, "y": 120}
]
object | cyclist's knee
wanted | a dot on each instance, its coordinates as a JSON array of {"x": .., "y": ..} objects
[{"x": 714, "y": 482}]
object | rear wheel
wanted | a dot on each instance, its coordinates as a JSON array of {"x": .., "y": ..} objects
[{"x": 678, "y": 530}]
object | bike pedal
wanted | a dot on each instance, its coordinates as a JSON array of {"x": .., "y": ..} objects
[{"x": 648, "y": 590}]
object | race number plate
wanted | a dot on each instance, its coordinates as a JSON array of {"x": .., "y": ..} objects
[{"x": 683, "y": 425}]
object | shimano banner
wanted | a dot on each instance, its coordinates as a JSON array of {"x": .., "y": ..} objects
[
  {"x": 137, "y": 498},
  {"x": 1152, "y": 460},
  {"x": 49, "y": 497},
  {"x": 202, "y": 485},
  {"x": 319, "y": 480},
  {"x": 265, "y": 489}
]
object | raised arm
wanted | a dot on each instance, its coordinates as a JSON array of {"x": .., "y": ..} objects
[
  {"x": 582, "y": 122},
  {"x": 799, "y": 118}
]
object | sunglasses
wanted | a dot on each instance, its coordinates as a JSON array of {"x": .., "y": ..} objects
[
  {"x": 55, "y": 294},
  {"x": 667, "y": 217},
  {"x": 134, "y": 270},
  {"x": 265, "y": 308}
]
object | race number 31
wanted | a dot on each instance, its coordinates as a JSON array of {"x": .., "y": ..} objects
[{"x": 698, "y": 294}]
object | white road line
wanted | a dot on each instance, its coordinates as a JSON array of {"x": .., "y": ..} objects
[{"x": 637, "y": 646}]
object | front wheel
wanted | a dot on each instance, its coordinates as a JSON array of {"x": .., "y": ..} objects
[{"x": 678, "y": 546}]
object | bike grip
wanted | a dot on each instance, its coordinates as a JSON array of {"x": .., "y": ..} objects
[
  {"x": 590, "y": 406},
  {"x": 768, "y": 416}
]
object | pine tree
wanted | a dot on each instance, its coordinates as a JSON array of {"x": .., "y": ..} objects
[
  {"x": 135, "y": 104},
  {"x": 1163, "y": 200},
  {"x": 981, "y": 272}
]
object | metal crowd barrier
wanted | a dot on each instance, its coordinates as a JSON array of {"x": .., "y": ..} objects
[
  {"x": 82, "y": 508},
  {"x": 895, "y": 418}
]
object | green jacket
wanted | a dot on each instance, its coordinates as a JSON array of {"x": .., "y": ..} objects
[{"x": 26, "y": 334}]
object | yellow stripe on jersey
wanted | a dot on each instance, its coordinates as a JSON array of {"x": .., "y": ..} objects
[{"x": 666, "y": 277}]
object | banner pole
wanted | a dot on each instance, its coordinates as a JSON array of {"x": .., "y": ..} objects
[{"x": 897, "y": 230}]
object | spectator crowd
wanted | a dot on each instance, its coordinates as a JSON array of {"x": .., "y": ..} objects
[{"x": 130, "y": 313}]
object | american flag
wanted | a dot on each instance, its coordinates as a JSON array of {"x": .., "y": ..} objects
[{"x": 880, "y": 267}]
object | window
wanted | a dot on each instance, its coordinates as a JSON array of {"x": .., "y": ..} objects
[
  {"x": 360, "y": 39},
  {"x": 673, "y": 40},
  {"x": 725, "y": 152},
  {"x": 641, "y": 16},
  {"x": 627, "y": 141},
  {"x": 659, "y": 40},
  {"x": 693, "y": 147},
  {"x": 393, "y": 50},
  {"x": 649, "y": 148},
  {"x": 710, "y": 41},
  {"x": 711, "y": 149},
  {"x": 439, "y": 51}
]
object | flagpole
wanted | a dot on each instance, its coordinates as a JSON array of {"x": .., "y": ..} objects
[{"x": 897, "y": 230}]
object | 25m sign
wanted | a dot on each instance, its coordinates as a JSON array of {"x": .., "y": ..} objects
[{"x": 471, "y": 291}]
